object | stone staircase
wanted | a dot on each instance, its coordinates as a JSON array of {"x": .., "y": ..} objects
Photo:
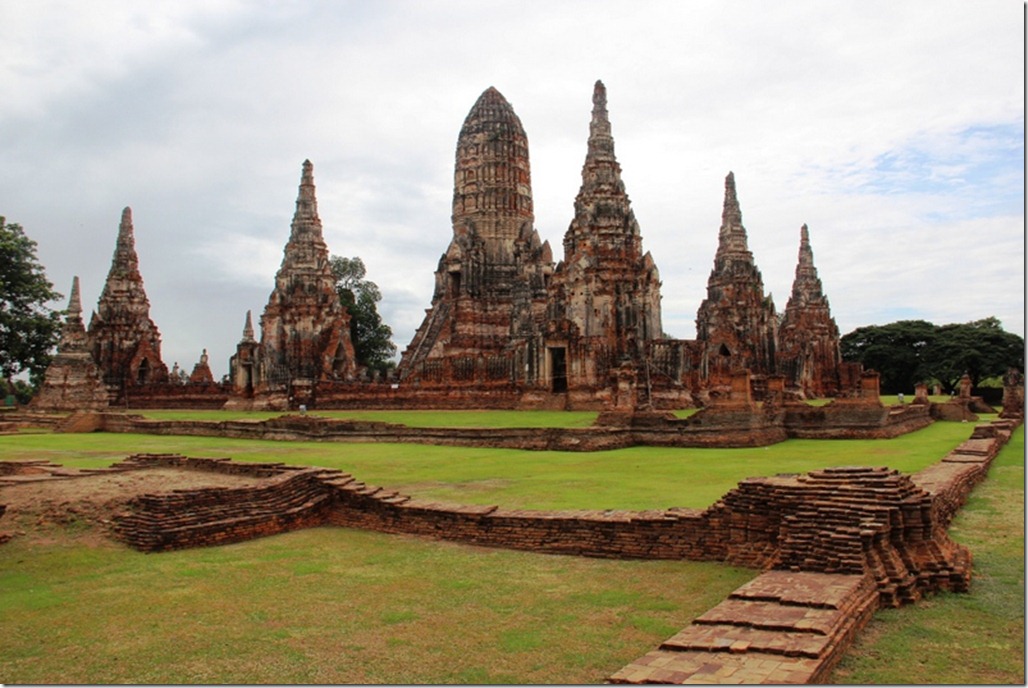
[{"x": 781, "y": 627}]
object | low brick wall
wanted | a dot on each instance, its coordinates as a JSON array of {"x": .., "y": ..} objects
[
  {"x": 848, "y": 520},
  {"x": 292, "y": 499},
  {"x": 708, "y": 428}
]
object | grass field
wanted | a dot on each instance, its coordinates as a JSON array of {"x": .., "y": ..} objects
[
  {"x": 333, "y": 605},
  {"x": 633, "y": 478}
]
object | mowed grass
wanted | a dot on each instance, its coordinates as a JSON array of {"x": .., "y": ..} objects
[
  {"x": 961, "y": 638},
  {"x": 332, "y": 605},
  {"x": 632, "y": 478}
]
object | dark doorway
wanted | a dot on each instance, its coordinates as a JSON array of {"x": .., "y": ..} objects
[
  {"x": 558, "y": 369},
  {"x": 143, "y": 372}
]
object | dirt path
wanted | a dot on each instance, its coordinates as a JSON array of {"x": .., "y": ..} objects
[{"x": 82, "y": 506}]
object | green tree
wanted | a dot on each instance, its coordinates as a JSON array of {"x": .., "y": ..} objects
[
  {"x": 372, "y": 338},
  {"x": 896, "y": 351},
  {"x": 28, "y": 327},
  {"x": 982, "y": 349},
  {"x": 911, "y": 351}
]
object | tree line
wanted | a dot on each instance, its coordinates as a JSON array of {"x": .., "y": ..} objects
[{"x": 908, "y": 352}]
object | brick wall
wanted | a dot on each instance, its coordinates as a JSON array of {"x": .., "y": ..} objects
[{"x": 847, "y": 520}]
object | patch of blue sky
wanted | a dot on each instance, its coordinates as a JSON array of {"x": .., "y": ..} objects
[{"x": 980, "y": 167}]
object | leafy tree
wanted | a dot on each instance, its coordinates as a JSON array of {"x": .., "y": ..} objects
[
  {"x": 895, "y": 350},
  {"x": 982, "y": 349},
  {"x": 28, "y": 328},
  {"x": 912, "y": 351},
  {"x": 372, "y": 338}
]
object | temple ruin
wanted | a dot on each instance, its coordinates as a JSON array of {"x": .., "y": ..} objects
[
  {"x": 507, "y": 326},
  {"x": 305, "y": 329},
  {"x": 126, "y": 342}
]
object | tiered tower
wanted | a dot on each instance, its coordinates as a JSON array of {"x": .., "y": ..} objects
[
  {"x": 736, "y": 323},
  {"x": 808, "y": 338},
  {"x": 492, "y": 278},
  {"x": 125, "y": 341},
  {"x": 305, "y": 330},
  {"x": 605, "y": 294},
  {"x": 72, "y": 381}
]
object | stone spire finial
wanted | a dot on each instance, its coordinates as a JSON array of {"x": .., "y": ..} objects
[
  {"x": 732, "y": 236},
  {"x": 306, "y": 201},
  {"x": 75, "y": 300},
  {"x": 807, "y": 286},
  {"x": 601, "y": 143},
  {"x": 125, "y": 262},
  {"x": 248, "y": 328}
]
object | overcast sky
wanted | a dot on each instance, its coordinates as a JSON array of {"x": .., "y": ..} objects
[{"x": 894, "y": 129}]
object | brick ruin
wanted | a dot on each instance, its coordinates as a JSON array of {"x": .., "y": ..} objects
[
  {"x": 126, "y": 342},
  {"x": 73, "y": 379},
  {"x": 586, "y": 332},
  {"x": 507, "y": 327},
  {"x": 305, "y": 330}
]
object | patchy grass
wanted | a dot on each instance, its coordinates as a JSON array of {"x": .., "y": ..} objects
[
  {"x": 633, "y": 478},
  {"x": 961, "y": 638},
  {"x": 332, "y": 605}
]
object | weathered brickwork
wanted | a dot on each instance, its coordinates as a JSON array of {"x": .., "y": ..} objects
[
  {"x": 305, "y": 330},
  {"x": 808, "y": 338},
  {"x": 73, "y": 380},
  {"x": 125, "y": 341}
]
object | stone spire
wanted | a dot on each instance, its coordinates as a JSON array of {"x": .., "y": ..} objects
[
  {"x": 606, "y": 290},
  {"x": 736, "y": 322},
  {"x": 305, "y": 330},
  {"x": 72, "y": 381},
  {"x": 248, "y": 328},
  {"x": 492, "y": 189},
  {"x": 732, "y": 236},
  {"x": 808, "y": 339},
  {"x": 126, "y": 342},
  {"x": 74, "y": 311},
  {"x": 602, "y": 207},
  {"x": 807, "y": 285}
]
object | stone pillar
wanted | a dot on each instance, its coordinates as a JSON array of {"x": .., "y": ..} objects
[
  {"x": 965, "y": 387},
  {"x": 921, "y": 394},
  {"x": 740, "y": 393},
  {"x": 869, "y": 386}
]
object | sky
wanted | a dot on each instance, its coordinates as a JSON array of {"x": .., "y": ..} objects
[{"x": 893, "y": 129}]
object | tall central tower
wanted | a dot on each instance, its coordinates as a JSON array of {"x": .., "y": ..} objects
[{"x": 495, "y": 265}]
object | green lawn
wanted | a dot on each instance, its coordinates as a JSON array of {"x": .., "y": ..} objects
[
  {"x": 633, "y": 478},
  {"x": 333, "y": 605}
]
